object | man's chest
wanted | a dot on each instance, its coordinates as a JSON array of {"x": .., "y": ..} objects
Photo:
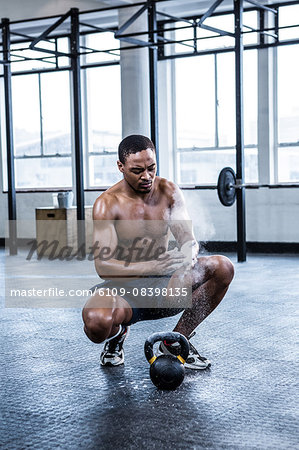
[
  {"x": 137, "y": 219},
  {"x": 135, "y": 210}
]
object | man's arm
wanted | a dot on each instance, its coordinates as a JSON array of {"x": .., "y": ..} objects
[{"x": 181, "y": 226}]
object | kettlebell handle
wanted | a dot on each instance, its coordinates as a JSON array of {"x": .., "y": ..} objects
[{"x": 171, "y": 336}]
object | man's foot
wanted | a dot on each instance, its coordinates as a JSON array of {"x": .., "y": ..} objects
[
  {"x": 113, "y": 353},
  {"x": 194, "y": 361}
]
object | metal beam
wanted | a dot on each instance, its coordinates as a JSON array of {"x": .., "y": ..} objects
[
  {"x": 46, "y": 59},
  {"x": 97, "y": 28},
  {"x": 51, "y": 52},
  {"x": 210, "y": 11},
  {"x": 153, "y": 81},
  {"x": 215, "y": 30},
  {"x": 262, "y": 27},
  {"x": 77, "y": 126},
  {"x": 44, "y": 37},
  {"x": 12, "y": 210},
  {"x": 241, "y": 220},
  {"x": 131, "y": 20},
  {"x": 226, "y": 49},
  {"x": 261, "y": 6},
  {"x": 93, "y": 50},
  {"x": 145, "y": 33},
  {"x": 127, "y": 24},
  {"x": 51, "y": 28},
  {"x": 177, "y": 19},
  {"x": 165, "y": 40},
  {"x": 134, "y": 41},
  {"x": 276, "y": 26}
]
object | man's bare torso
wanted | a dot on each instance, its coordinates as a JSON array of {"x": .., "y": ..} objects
[{"x": 145, "y": 218}]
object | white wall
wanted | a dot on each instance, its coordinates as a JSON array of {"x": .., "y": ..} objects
[{"x": 272, "y": 215}]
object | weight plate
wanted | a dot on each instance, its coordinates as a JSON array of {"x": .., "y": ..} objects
[{"x": 227, "y": 192}]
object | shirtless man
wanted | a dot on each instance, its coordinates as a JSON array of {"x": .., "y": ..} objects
[{"x": 141, "y": 208}]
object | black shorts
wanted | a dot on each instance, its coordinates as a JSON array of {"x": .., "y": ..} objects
[{"x": 140, "y": 291}]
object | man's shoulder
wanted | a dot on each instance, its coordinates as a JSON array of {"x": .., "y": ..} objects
[
  {"x": 167, "y": 185},
  {"x": 105, "y": 205},
  {"x": 168, "y": 188}
]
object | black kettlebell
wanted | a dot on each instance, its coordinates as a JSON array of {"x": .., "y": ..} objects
[{"x": 166, "y": 371}]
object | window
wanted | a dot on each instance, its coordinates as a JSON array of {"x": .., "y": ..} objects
[
  {"x": 184, "y": 33},
  {"x": 100, "y": 47},
  {"x": 250, "y": 23},
  {"x": 42, "y": 130},
  {"x": 225, "y": 23},
  {"x": 23, "y": 58},
  {"x": 288, "y": 17},
  {"x": 55, "y": 110},
  {"x": 226, "y": 99},
  {"x": 26, "y": 115},
  {"x": 203, "y": 167},
  {"x": 195, "y": 102},
  {"x": 41, "y": 104},
  {"x": 103, "y": 132},
  {"x": 208, "y": 39},
  {"x": 288, "y": 113},
  {"x": 205, "y": 113},
  {"x": 250, "y": 78}
]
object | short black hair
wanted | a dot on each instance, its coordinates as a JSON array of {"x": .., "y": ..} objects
[{"x": 133, "y": 144}]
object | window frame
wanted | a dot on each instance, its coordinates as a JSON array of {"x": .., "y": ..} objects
[
  {"x": 278, "y": 146},
  {"x": 216, "y": 147},
  {"x": 84, "y": 65},
  {"x": 260, "y": 45}
]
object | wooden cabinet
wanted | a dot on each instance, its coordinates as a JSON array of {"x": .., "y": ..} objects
[{"x": 57, "y": 228}]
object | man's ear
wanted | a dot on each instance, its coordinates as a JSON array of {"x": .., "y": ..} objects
[{"x": 120, "y": 166}]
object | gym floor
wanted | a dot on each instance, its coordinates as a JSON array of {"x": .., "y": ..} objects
[{"x": 54, "y": 394}]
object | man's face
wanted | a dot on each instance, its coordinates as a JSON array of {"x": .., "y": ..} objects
[{"x": 139, "y": 170}]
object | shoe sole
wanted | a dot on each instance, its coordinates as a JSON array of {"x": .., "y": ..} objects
[
  {"x": 194, "y": 367},
  {"x": 109, "y": 364},
  {"x": 186, "y": 365}
]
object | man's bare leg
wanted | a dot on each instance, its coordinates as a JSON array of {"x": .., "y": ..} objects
[
  {"x": 211, "y": 278},
  {"x": 102, "y": 316}
]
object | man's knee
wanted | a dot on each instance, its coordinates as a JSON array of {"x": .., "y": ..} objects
[
  {"x": 97, "y": 323},
  {"x": 223, "y": 269}
]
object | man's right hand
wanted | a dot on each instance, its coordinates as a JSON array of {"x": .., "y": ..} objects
[{"x": 169, "y": 262}]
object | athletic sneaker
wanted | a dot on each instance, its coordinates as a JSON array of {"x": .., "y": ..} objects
[
  {"x": 194, "y": 361},
  {"x": 113, "y": 353}
]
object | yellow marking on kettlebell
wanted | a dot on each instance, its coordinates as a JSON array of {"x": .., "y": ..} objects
[
  {"x": 181, "y": 359},
  {"x": 152, "y": 359}
]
